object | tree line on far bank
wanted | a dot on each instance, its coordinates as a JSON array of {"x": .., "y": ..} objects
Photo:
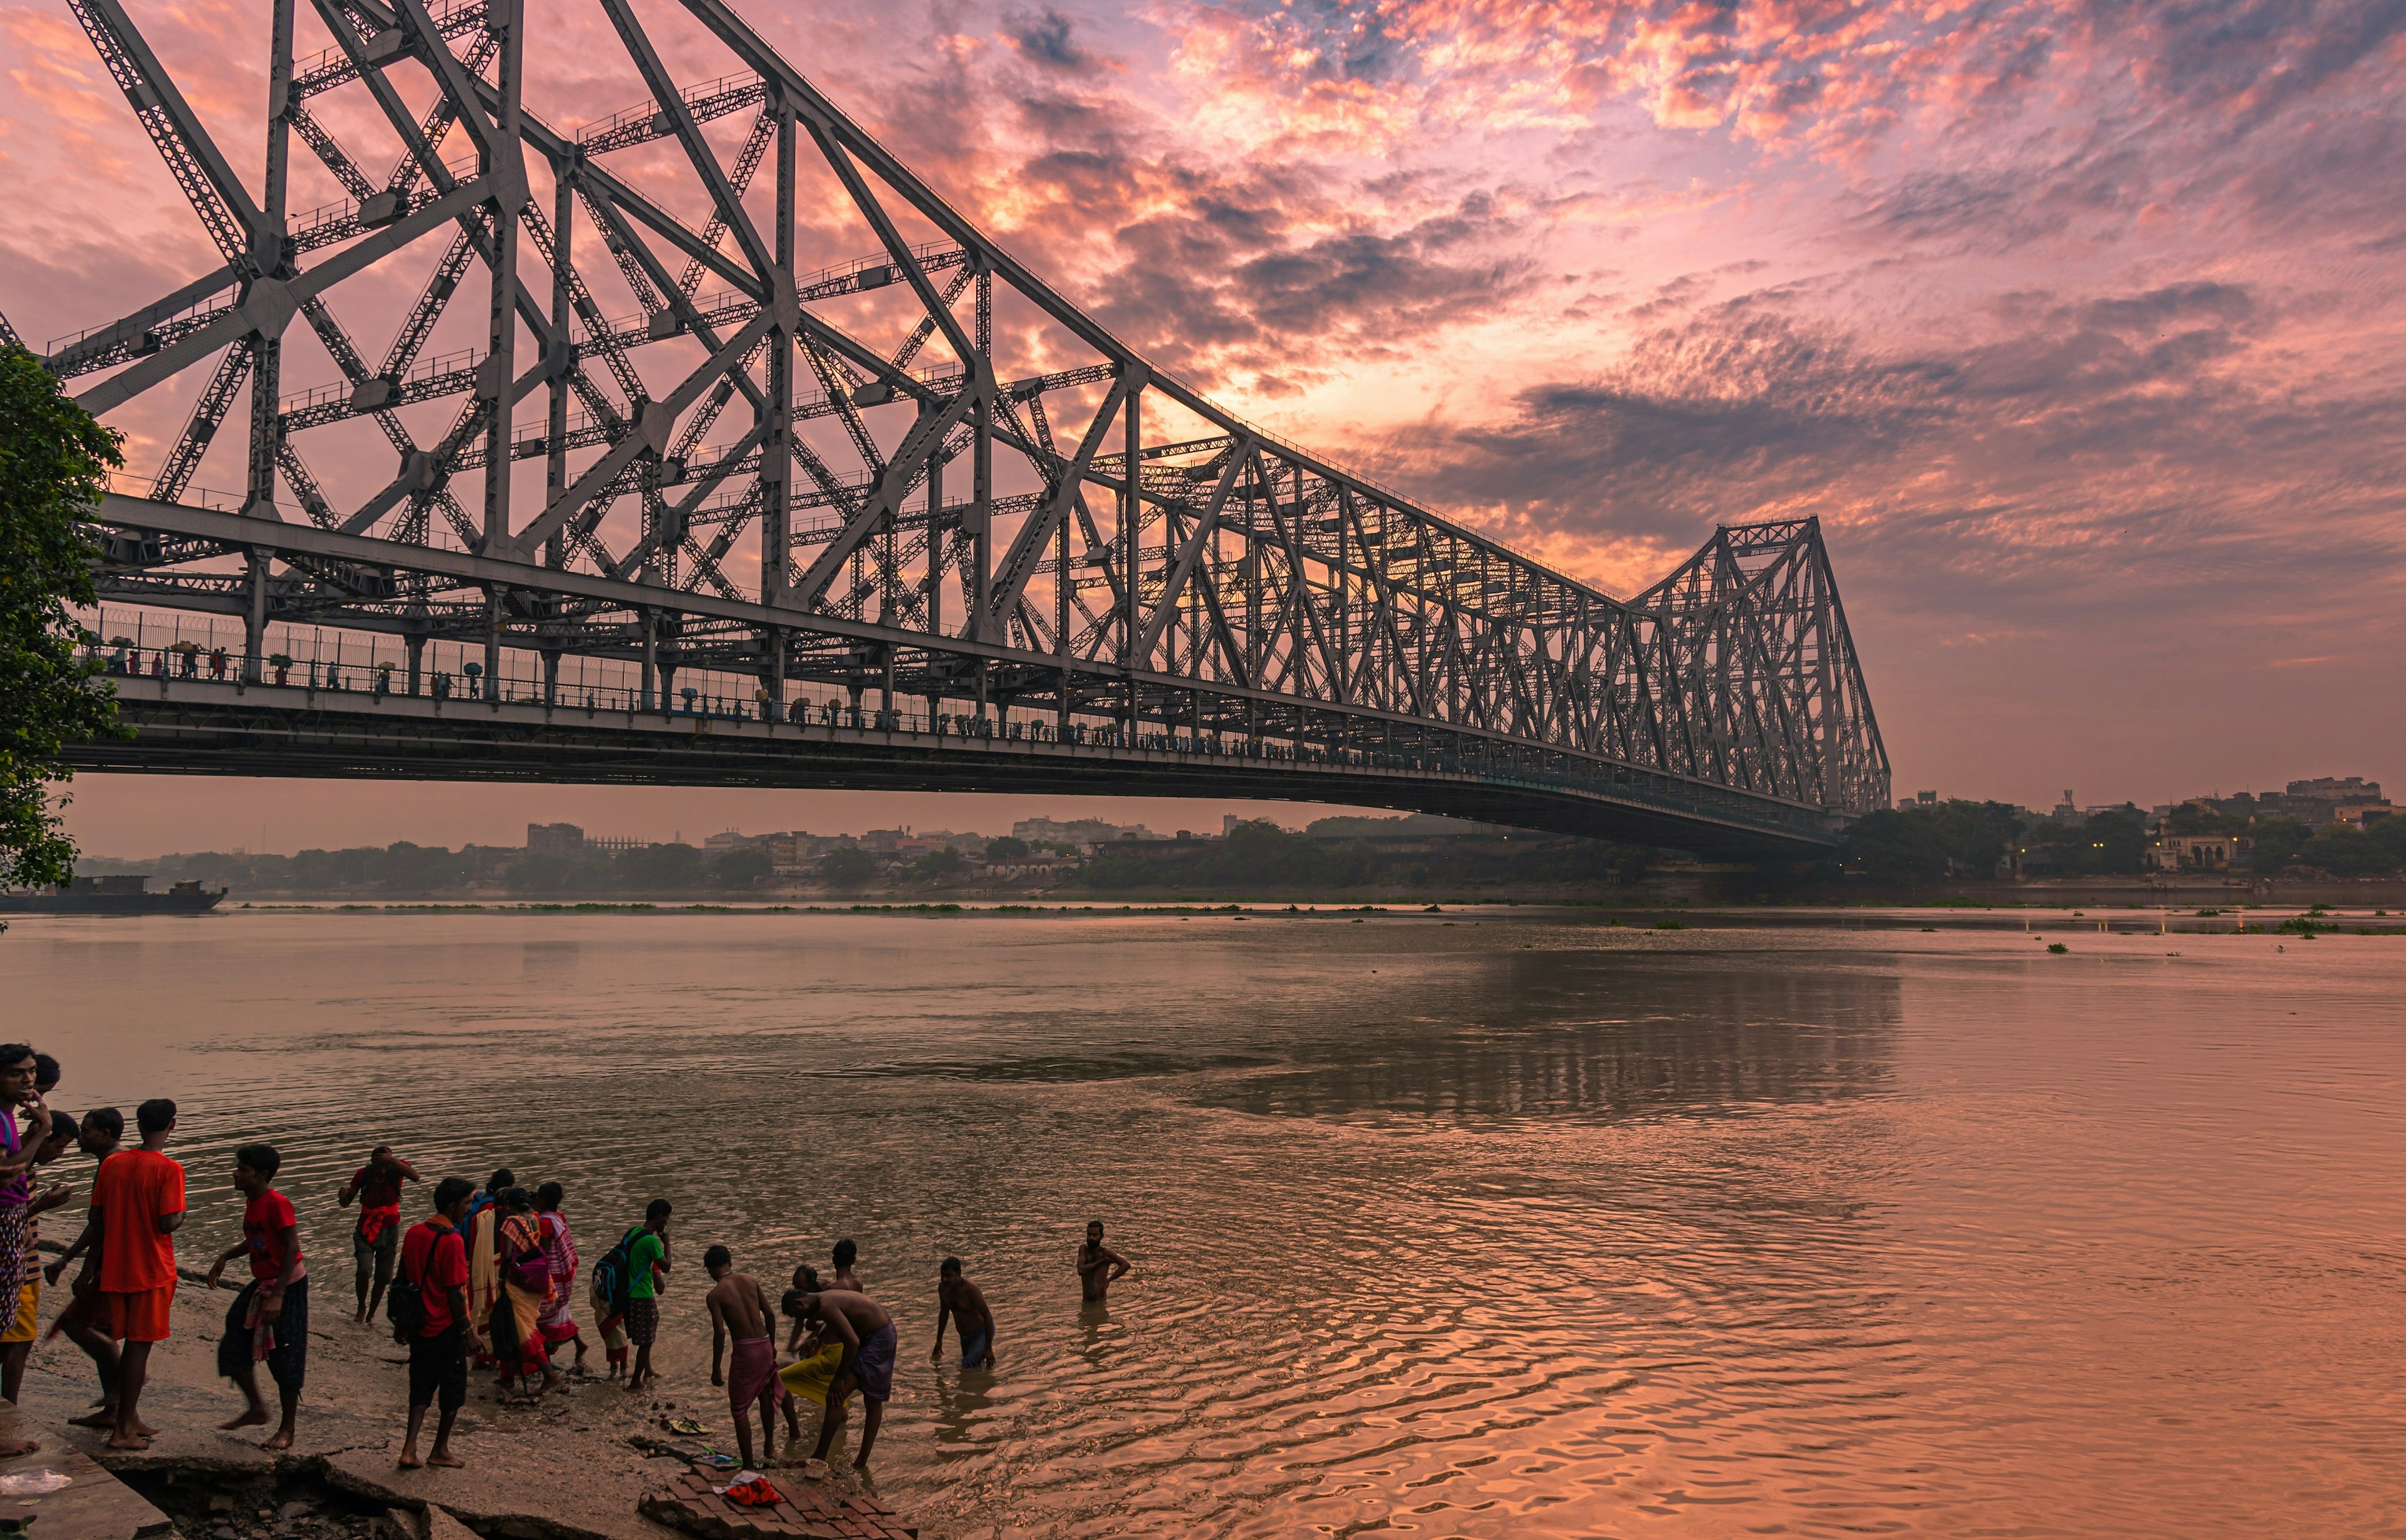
[{"x": 1962, "y": 839}]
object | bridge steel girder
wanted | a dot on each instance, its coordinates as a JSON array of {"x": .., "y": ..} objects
[{"x": 1173, "y": 567}]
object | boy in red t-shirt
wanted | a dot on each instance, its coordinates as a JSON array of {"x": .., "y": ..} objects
[
  {"x": 137, "y": 1205},
  {"x": 435, "y": 1262},
  {"x": 270, "y": 1317}
]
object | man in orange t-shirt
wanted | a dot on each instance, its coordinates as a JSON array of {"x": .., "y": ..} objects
[{"x": 137, "y": 1204}]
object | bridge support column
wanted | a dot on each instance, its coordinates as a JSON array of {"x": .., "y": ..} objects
[
  {"x": 651, "y": 659},
  {"x": 776, "y": 639},
  {"x": 551, "y": 676},
  {"x": 492, "y": 644},
  {"x": 416, "y": 645},
  {"x": 254, "y": 620}
]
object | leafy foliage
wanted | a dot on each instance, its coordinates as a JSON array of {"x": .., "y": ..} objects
[
  {"x": 847, "y": 869},
  {"x": 55, "y": 464},
  {"x": 1951, "y": 839}
]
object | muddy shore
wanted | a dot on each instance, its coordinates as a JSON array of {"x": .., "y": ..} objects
[{"x": 579, "y": 1465}]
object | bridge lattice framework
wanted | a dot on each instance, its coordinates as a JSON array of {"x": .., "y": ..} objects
[{"x": 917, "y": 472}]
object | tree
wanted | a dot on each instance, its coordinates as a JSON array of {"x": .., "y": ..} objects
[
  {"x": 1006, "y": 847},
  {"x": 845, "y": 868},
  {"x": 937, "y": 865},
  {"x": 54, "y": 465},
  {"x": 742, "y": 868}
]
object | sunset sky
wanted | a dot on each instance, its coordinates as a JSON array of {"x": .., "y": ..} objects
[{"x": 2078, "y": 326}]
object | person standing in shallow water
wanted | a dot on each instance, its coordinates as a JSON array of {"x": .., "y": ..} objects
[
  {"x": 376, "y": 1241},
  {"x": 739, "y": 1307},
  {"x": 1099, "y": 1266},
  {"x": 270, "y": 1317},
  {"x": 963, "y": 1303}
]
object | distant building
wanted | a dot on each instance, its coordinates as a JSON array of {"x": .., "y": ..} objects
[
  {"x": 1228, "y": 821},
  {"x": 1077, "y": 832},
  {"x": 2199, "y": 851},
  {"x": 554, "y": 839},
  {"x": 2066, "y": 811},
  {"x": 2332, "y": 788},
  {"x": 729, "y": 839},
  {"x": 616, "y": 845}
]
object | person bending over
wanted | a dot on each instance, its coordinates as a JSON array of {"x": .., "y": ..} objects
[{"x": 866, "y": 1334}]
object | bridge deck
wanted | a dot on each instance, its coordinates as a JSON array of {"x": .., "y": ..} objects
[{"x": 212, "y": 728}]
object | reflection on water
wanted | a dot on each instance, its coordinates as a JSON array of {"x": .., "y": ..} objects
[{"x": 1501, "y": 1229}]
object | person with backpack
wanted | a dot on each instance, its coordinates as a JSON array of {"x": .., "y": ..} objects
[
  {"x": 647, "y": 1266},
  {"x": 428, "y": 1306},
  {"x": 614, "y": 1284}
]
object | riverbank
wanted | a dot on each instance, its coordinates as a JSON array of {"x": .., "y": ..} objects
[
  {"x": 2065, "y": 913},
  {"x": 590, "y": 1465}
]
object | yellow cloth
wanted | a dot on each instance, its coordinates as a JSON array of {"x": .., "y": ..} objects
[
  {"x": 28, "y": 1304},
  {"x": 811, "y": 1377}
]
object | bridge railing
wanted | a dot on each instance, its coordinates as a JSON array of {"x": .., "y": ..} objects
[{"x": 307, "y": 667}]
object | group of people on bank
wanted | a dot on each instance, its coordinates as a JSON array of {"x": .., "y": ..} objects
[{"x": 485, "y": 1279}]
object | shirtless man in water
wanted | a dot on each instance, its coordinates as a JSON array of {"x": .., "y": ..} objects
[
  {"x": 740, "y": 1307},
  {"x": 1099, "y": 1266},
  {"x": 866, "y": 1332}
]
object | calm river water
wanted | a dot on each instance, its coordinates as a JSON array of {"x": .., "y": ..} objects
[{"x": 1461, "y": 1224}]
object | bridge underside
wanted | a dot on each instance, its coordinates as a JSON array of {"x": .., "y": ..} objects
[{"x": 203, "y": 727}]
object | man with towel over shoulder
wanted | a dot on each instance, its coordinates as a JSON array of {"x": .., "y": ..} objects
[
  {"x": 376, "y": 1241},
  {"x": 739, "y": 1307}
]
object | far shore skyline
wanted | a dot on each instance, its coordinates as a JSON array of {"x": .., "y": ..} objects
[{"x": 124, "y": 817}]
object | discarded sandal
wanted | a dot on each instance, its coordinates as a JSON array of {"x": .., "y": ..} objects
[{"x": 684, "y": 1425}]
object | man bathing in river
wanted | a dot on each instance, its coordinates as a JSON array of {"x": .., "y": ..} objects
[
  {"x": 270, "y": 1317},
  {"x": 866, "y": 1334},
  {"x": 845, "y": 1255},
  {"x": 376, "y": 1241},
  {"x": 962, "y": 1303},
  {"x": 739, "y": 1307},
  {"x": 1098, "y": 1268}
]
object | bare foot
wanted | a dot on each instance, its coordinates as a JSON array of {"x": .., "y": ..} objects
[
  {"x": 410, "y": 1461},
  {"x": 446, "y": 1459},
  {"x": 144, "y": 1430},
  {"x": 105, "y": 1418},
  {"x": 128, "y": 1441},
  {"x": 279, "y": 1440},
  {"x": 247, "y": 1420},
  {"x": 12, "y": 1448}
]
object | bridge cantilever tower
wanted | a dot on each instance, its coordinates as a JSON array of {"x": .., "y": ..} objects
[{"x": 716, "y": 447}]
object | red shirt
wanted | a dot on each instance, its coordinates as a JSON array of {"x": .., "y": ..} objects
[
  {"x": 132, "y": 1190},
  {"x": 265, "y": 1220},
  {"x": 434, "y": 1257},
  {"x": 375, "y": 1190}
]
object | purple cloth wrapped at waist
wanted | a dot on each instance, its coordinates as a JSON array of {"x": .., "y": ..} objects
[
  {"x": 752, "y": 1369},
  {"x": 873, "y": 1366}
]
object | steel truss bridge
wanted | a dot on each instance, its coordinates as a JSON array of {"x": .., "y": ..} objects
[{"x": 715, "y": 448}]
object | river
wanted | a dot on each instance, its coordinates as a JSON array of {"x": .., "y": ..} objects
[{"x": 1485, "y": 1222}]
